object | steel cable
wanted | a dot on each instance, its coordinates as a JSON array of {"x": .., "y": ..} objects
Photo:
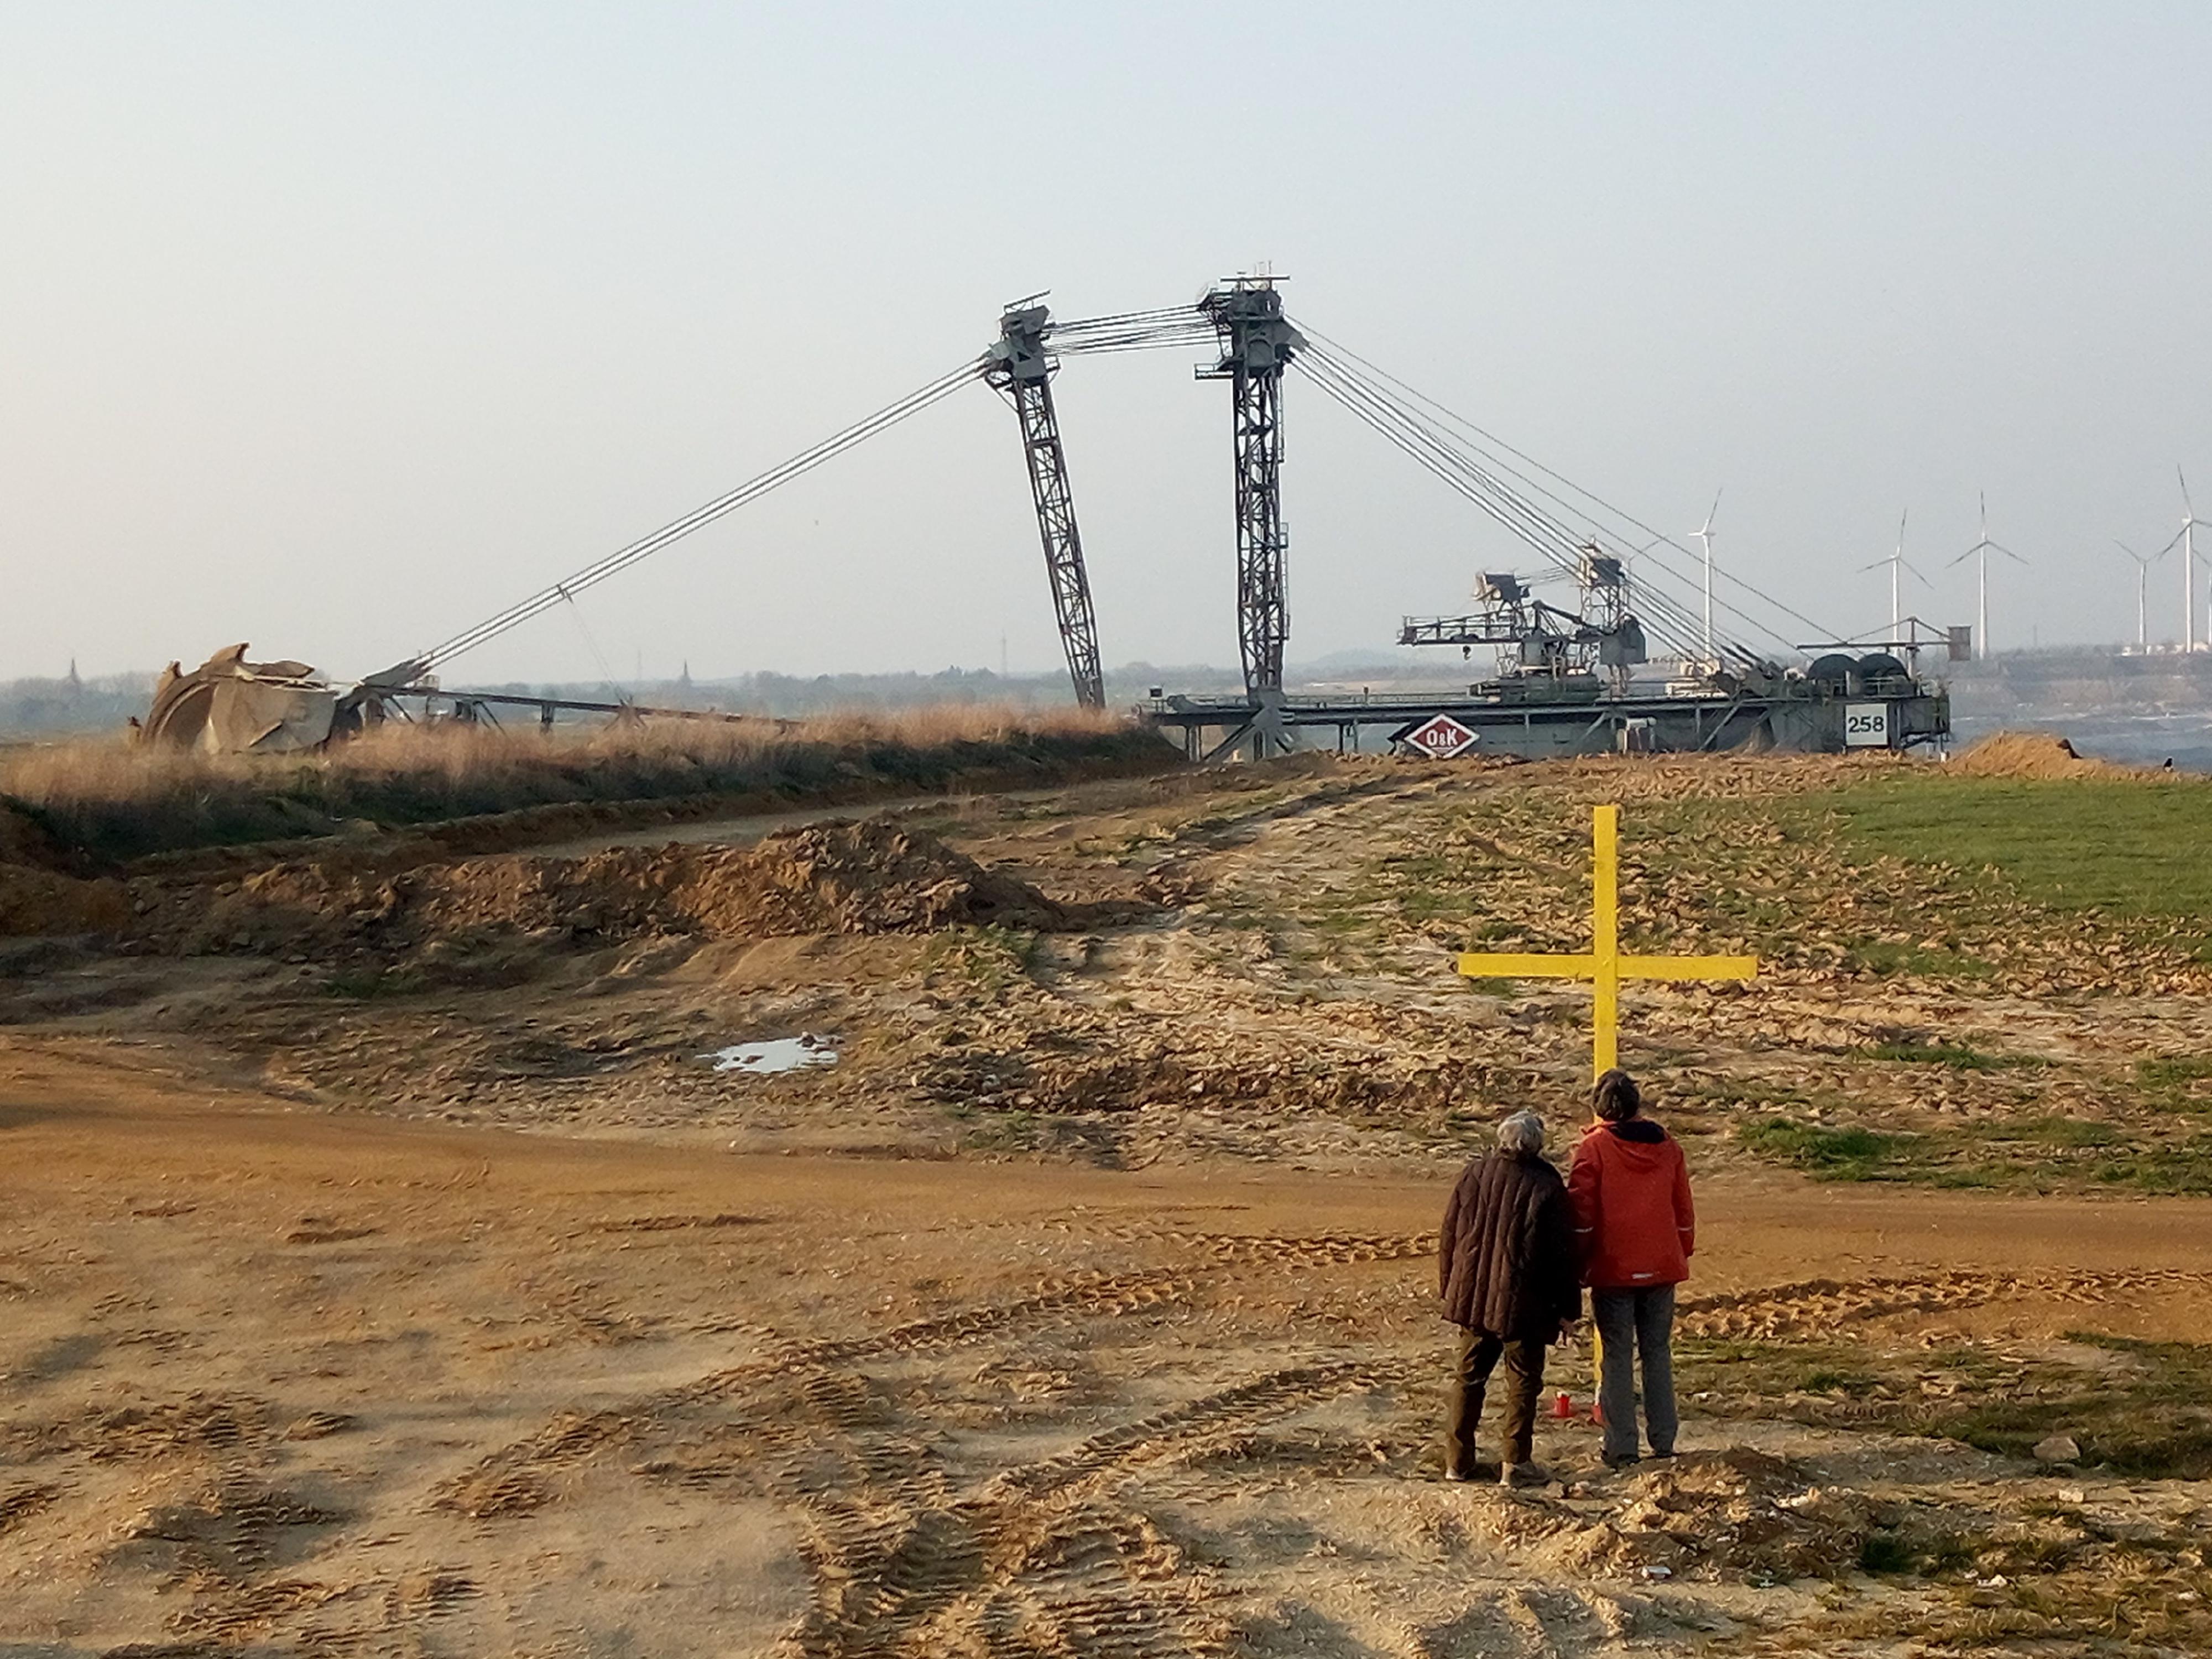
[
  {"x": 805, "y": 461},
  {"x": 1624, "y": 516},
  {"x": 1552, "y": 539}
]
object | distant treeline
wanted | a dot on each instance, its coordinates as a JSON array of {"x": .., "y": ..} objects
[
  {"x": 43, "y": 708},
  {"x": 55, "y": 707},
  {"x": 796, "y": 695}
]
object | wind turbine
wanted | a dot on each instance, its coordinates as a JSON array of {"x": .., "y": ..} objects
[
  {"x": 1897, "y": 566},
  {"x": 2142, "y": 582},
  {"x": 2187, "y": 537},
  {"x": 1985, "y": 547},
  {"x": 1703, "y": 532}
]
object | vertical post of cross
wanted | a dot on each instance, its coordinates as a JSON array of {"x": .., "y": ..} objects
[{"x": 1605, "y": 915}]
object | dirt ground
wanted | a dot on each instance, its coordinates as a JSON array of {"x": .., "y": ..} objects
[{"x": 386, "y": 1269}]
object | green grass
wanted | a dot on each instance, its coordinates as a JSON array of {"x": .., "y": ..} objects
[
  {"x": 2151, "y": 1420},
  {"x": 2167, "y": 1168},
  {"x": 2050, "y": 1132},
  {"x": 1483, "y": 986},
  {"x": 1427, "y": 887},
  {"x": 986, "y": 959},
  {"x": 365, "y": 984},
  {"x": 2167, "y": 1084},
  {"x": 2035, "y": 1154},
  {"x": 1832, "y": 1379},
  {"x": 2148, "y": 1416},
  {"x": 1887, "y": 1552},
  {"x": 1841, "y": 1154},
  {"x": 2168, "y": 1073},
  {"x": 2129, "y": 848},
  {"x": 1958, "y": 1058},
  {"x": 1881, "y": 957},
  {"x": 1928, "y": 874}
]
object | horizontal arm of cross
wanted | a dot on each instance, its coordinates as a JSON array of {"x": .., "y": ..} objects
[
  {"x": 1688, "y": 967},
  {"x": 1508, "y": 965},
  {"x": 1505, "y": 964}
]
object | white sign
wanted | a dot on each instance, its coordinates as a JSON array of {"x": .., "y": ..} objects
[
  {"x": 1866, "y": 726},
  {"x": 1441, "y": 737}
]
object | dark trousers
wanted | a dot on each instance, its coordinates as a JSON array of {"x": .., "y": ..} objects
[
  {"x": 1478, "y": 1356},
  {"x": 1631, "y": 1324}
]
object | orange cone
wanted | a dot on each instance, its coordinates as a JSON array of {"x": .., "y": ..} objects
[{"x": 1563, "y": 1408}]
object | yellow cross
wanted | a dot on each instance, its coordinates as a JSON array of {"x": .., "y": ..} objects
[{"x": 1603, "y": 965}]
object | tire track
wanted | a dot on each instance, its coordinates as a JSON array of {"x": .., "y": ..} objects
[
  {"x": 1815, "y": 1305},
  {"x": 1035, "y": 1558},
  {"x": 509, "y": 1481}
]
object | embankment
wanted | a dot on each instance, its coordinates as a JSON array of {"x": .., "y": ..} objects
[{"x": 97, "y": 808}]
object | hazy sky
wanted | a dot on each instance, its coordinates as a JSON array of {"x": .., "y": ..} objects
[{"x": 337, "y": 327}]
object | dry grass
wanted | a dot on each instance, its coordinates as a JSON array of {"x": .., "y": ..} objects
[{"x": 111, "y": 800}]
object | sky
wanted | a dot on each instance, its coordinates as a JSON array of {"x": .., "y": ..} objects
[{"x": 338, "y": 328}]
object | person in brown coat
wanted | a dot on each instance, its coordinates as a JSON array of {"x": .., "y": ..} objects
[{"x": 1507, "y": 1272}]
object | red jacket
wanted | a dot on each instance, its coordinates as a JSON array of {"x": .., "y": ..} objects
[{"x": 1631, "y": 1192}]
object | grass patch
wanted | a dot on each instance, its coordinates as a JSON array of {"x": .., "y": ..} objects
[
  {"x": 1959, "y": 1059},
  {"x": 2036, "y": 1154},
  {"x": 2172, "y": 1084},
  {"x": 1886, "y": 1552},
  {"x": 2153, "y": 1419},
  {"x": 988, "y": 959},
  {"x": 2148, "y": 1416},
  {"x": 2164, "y": 1168},
  {"x": 367, "y": 984},
  {"x": 1886, "y": 959},
  {"x": 1827, "y": 1154},
  {"x": 2136, "y": 849},
  {"x": 1823, "y": 1380},
  {"x": 2051, "y": 1132}
]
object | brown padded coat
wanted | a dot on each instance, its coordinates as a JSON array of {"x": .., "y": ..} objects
[{"x": 1505, "y": 1258}]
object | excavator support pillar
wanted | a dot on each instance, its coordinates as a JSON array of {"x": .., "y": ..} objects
[
  {"x": 1257, "y": 343},
  {"x": 1019, "y": 367}
]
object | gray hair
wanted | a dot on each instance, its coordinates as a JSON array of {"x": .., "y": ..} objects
[{"x": 1523, "y": 1132}]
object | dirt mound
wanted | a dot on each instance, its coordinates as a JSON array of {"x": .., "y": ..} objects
[
  {"x": 864, "y": 877},
  {"x": 1072, "y": 1065},
  {"x": 24, "y": 841},
  {"x": 867, "y": 878},
  {"x": 2031, "y": 755},
  {"x": 35, "y": 903},
  {"x": 1710, "y": 1516}
]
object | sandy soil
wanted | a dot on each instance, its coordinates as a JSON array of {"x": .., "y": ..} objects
[
  {"x": 304, "y": 1384},
  {"x": 431, "y": 1296}
]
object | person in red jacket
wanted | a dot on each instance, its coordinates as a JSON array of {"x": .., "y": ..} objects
[{"x": 1634, "y": 1224}]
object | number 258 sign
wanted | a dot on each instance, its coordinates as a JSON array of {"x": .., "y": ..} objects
[{"x": 1866, "y": 726}]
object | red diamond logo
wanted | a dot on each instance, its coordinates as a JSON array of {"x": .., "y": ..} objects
[{"x": 1441, "y": 737}]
